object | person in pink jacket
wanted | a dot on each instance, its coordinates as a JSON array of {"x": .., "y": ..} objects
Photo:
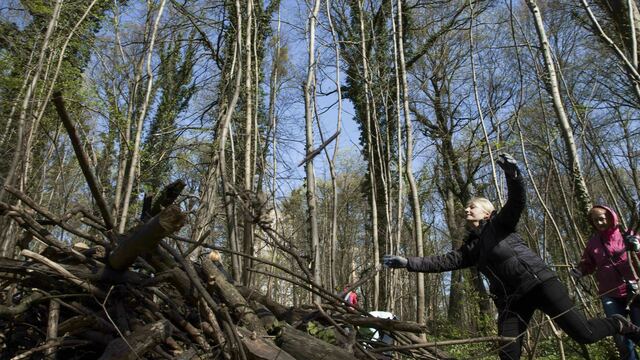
[
  {"x": 351, "y": 297},
  {"x": 606, "y": 256}
]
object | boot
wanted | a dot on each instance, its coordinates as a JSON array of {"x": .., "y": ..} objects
[{"x": 627, "y": 328}]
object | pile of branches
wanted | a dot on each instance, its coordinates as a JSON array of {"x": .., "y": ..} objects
[
  {"x": 138, "y": 295},
  {"x": 88, "y": 292}
]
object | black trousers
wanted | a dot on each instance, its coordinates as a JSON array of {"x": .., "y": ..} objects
[{"x": 552, "y": 298}]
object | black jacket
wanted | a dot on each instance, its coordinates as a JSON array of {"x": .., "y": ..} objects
[{"x": 495, "y": 248}]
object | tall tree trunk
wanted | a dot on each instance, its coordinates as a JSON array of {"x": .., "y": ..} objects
[
  {"x": 334, "y": 185},
  {"x": 413, "y": 188},
  {"x": 368, "y": 129},
  {"x": 227, "y": 109},
  {"x": 309, "y": 90},
  {"x": 273, "y": 92},
  {"x": 125, "y": 137},
  {"x": 551, "y": 81},
  {"x": 399, "y": 217},
  {"x": 456, "y": 292},
  {"x": 247, "y": 238}
]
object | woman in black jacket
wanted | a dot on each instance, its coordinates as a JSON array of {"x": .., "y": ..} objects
[{"x": 519, "y": 279}]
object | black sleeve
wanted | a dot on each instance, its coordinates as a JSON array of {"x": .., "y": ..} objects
[
  {"x": 508, "y": 217},
  {"x": 456, "y": 259}
]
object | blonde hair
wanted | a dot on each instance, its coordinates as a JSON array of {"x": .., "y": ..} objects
[
  {"x": 482, "y": 203},
  {"x": 214, "y": 256}
]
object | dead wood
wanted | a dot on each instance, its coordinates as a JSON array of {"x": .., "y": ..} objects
[
  {"x": 48, "y": 345},
  {"x": 83, "y": 159},
  {"x": 53, "y": 219},
  {"x": 64, "y": 273},
  {"x": 24, "y": 305},
  {"x": 385, "y": 324},
  {"x": 497, "y": 339},
  {"x": 52, "y": 326},
  {"x": 232, "y": 298},
  {"x": 317, "y": 151},
  {"x": 190, "y": 354},
  {"x": 39, "y": 275},
  {"x": 258, "y": 348},
  {"x": 303, "y": 346},
  {"x": 138, "y": 343},
  {"x": 167, "y": 196},
  {"x": 146, "y": 298},
  {"x": 79, "y": 323},
  {"x": 280, "y": 311},
  {"x": 146, "y": 237}
]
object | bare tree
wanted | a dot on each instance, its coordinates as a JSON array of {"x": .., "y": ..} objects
[
  {"x": 551, "y": 81},
  {"x": 310, "y": 176},
  {"x": 413, "y": 189}
]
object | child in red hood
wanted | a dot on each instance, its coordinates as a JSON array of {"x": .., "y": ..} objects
[{"x": 606, "y": 255}]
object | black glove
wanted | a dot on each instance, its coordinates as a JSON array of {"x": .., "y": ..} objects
[
  {"x": 631, "y": 242},
  {"x": 576, "y": 273},
  {"x": 508, "y": 164},
  {"x": 394, "y": 261}
]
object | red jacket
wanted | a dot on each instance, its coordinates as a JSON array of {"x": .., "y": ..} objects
[
  {"x": 610, "y": 266},
  {"x": 351, "y": 298}
]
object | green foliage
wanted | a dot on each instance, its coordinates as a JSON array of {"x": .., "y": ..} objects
[
  {"x": 326, "y": 334},
  {"x": 175, "y": 81},
  {"x": 38, "y": 7}
]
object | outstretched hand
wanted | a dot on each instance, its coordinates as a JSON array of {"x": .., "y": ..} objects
[
  {"x": 576, "y": 273},
  {"x": 631, "y": 241},
  {"x": 394, "y": 261},
  {"x": 508, "y": 164}
]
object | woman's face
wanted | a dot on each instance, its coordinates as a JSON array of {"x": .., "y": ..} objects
[
  {"x": 599, "y": 219},
  {"x": 474, "y": 214}
]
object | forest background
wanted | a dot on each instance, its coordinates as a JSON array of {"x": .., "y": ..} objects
[{"x": 350, "y": 128}]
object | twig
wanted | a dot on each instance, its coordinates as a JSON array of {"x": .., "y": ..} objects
[
  {"x": 104, "y": 308},
  {"x": 342, "y": 332},
  {"x": 64, "y": 272},
  {"x": 28, "y": 223},
  {"x": 443, "y": 343},
  {"x": 317, "y": 151},
  {"x": 51, "y": 217},
  {"x": 59, "y": 342},
  {"x": 10, "y": 311},
  {"x": 313, "y": 289}
]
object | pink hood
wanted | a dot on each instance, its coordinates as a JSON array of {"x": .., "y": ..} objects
[{"x": 610, "y": 265}]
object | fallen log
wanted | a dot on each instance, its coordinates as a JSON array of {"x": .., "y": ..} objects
[
  {"x": 233, "y": 298},
  {"x": 385, "y": 324},
  {"x": 280, "y": 311},
  {"x": 138, "y": 343},
  {"x": 24, "y": 305},
  {"x": 31, "y": 273},
  {"x": 258, "y": 348},
  {"x": 146, "y": 237},
  {"x": 302, "y": 346}
]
